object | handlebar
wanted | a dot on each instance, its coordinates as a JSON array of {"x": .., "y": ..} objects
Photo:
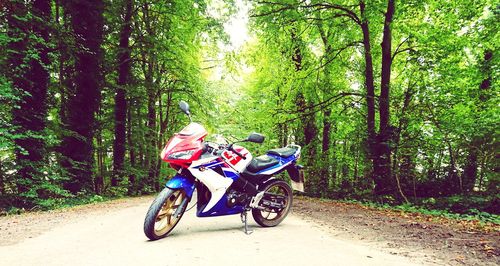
[
  {"x": 239, "y": 154},
  {"x": 230, "y": 147},
  {"x": 207, "y": 147}
]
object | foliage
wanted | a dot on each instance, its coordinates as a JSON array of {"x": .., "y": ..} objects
[
  {"x": 443, "y": 105},
  {"x": 412, "y": 121},
  {"x": 167, "y": 42}
]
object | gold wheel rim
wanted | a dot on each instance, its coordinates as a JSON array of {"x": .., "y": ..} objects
[
  {"x": 165, "y": 219},
  {"x": 271, "y": 215}
]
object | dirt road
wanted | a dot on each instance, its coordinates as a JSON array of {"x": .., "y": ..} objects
[{"x": 111, "y": 234}]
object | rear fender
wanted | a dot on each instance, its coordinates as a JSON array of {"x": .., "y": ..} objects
[
  {"x": 182, "y": 182},
  {"x": 297, "y": 176}
]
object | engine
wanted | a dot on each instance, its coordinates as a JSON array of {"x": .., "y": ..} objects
[{"x": 237, "y": 198}]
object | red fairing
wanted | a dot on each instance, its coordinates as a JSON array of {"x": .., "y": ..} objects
[{"x": 189, "y": 140}]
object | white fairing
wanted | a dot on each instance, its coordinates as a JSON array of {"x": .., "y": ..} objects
[
  {"x": 202, "y": 161},
  {"x": 217, "y": 184},
  {"x": 236, "y": 162}
]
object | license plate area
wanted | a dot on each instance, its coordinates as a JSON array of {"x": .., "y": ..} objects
[{"x": 299, "y": 185}]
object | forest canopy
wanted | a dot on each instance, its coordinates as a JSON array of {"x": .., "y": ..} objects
[{"x": 393, "y": 101}]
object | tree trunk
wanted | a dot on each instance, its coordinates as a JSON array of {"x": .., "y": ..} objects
[
  {"x": 2, "y": 180},
  {"x": 325, "y": 148},
  {"x": 471, "y": 167},
  {"x": 64, "y": 68},
  {"x": 164, "y": 123},
  {"x": 120, "y": 97},
  {"x": 483, "y": 171},
  {"x": 132, "y": 187},
  {"x": 386, "y": 68},
  {"x": 99, "y": 181},
  {"x": 325, "y": 145},
  {"x": 307, "y": 122},
  {"x": 17, "y": 28},
  {"x": 309, "y": 127},
  {"x": 327, "y": 125},
  {"x": 369, "y": 81},
  {"x": 87, "y": 24},
  {"x": 31, "y": 82},
  {"x": 151, "y": 134},
  {"x": 370, "y": 95},
  {"x": 470, "y": 170},
  {"x": 407, "y": 172},
  {"x": 382, "y": 166},
  {"x": 282, "y": 127}
]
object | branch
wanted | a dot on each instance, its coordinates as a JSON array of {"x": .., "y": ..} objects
[
  {"x": 319, "y": 6},
  {"x": 344, "y": 9},
  {"x": 283, "y": 8},
  {"x": 401, "y": 51},
  {"x": 302, "y": 115},
  {"x": 398, "y": 51},
  {"x": 322, "y": 104},
  {"x": 339, "y": 51}
]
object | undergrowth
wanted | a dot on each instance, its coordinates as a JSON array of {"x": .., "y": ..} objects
[
  {"x": 58, "y": 203},
  {"x": 471, "y": 214}
]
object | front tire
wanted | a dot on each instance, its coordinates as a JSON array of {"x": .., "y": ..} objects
[
  {"x": 160, "y": 220},
  {"x": 272, "y": 217}
]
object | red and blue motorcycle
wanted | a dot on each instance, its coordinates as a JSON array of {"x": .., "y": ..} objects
[{"x": 227, "y": 180}]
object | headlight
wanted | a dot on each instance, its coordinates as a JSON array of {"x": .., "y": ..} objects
[{"x": 181, "y": 155}]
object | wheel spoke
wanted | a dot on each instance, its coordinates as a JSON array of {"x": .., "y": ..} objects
[{"x": 165, "y": 220}]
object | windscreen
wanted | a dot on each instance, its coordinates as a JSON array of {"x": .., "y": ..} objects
[{"x": 191, "y": 129}]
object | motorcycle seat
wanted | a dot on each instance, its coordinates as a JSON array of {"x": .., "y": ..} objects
[
  {"x": 260, "y": 163},
  {"x": 283, "y": 152}
]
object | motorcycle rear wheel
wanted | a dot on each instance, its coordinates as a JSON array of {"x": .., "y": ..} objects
[
  {"x": 269, "y": 217},
  {"x": 160, "y": 220}
]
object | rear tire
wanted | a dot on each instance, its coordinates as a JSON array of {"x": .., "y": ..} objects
[
  {"x": 160, "y": 220},
  {"x": 268, "y": 217}
]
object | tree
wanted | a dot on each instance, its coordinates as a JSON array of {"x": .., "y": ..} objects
[
  {"x": 28, "y": 63},
  {"x": 414, "y": 117},
  {"x": 87, "y": 24},
  {"x": 424, "y": 87},
  {"x": 120, "y": 97}
]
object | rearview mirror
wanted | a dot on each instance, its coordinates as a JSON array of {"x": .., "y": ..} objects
[
  {"x": 255, "y": 137},
  {"x": 184, "y": 107}
]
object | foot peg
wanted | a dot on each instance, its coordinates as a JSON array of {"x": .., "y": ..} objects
[
  {"x": 245, "y": 222},
  {"x": 256, "y": 199}
]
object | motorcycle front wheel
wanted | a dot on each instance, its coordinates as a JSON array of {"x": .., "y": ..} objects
[
  {"x": 160, "y": 219},
  {"x": 279, "y": 192}
]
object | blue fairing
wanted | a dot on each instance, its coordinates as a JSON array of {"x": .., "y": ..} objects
[
  {"x": 220, "y": 209},
  {"x": 182, "y": 182}
]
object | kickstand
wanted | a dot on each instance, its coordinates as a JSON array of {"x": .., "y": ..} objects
[{"x": 244, "y": 221}]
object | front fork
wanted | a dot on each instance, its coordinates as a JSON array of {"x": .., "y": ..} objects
[{"x": 185, "y": 183}]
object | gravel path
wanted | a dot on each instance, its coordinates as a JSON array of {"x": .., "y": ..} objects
[
  {"x": 316, "y": 233},
  {"x": 111, "y": 234}
]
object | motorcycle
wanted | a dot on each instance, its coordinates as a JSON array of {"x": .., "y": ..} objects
[{"x": 227, "y": 178}]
